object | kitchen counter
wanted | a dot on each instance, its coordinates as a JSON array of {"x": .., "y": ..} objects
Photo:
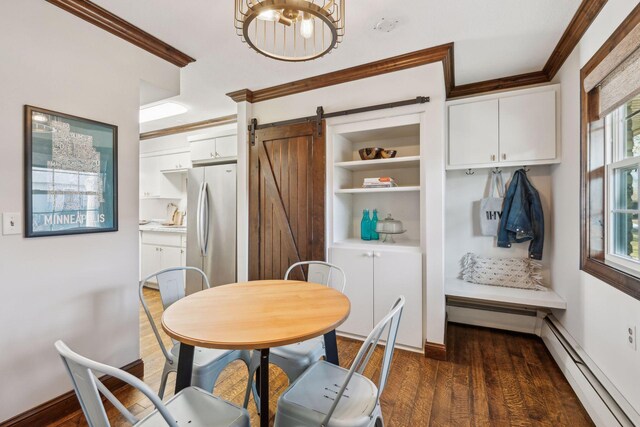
[{"x": 164, "y": 228}]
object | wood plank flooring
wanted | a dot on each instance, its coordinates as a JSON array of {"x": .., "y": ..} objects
[{"x": 492, "y": 378}]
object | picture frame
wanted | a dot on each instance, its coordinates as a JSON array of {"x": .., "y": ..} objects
[{"x": 70, "y": 174}]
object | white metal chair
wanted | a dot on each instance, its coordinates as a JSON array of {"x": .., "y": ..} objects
[
  {"x": 294, "y": 359},
  {"x": 207, "y": 363},
  {"x": 191, "y": 407},
  {"x": 330, "y": 396}
]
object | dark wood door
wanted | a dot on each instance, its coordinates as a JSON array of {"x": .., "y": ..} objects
[{"x": 286, "y": 199}]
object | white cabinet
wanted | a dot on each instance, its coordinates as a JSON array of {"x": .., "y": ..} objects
[
  {"x": 473, "y": 133},
  {"x": 399, "y": 273},
  {"x": 161, "y": 175},
  {"x": 358, "y": 270},
  {"x": 375, "y": 279},
  {"x": 160, "y": 250},
  {"x": 150, "y": 177},
  {"x": 528, "y": 127},
  {"x": 214, "y": 149},
  {"x": 507, "y": 129}
]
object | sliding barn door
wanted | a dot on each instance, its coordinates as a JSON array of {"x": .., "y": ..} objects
[{"x": 286, "y": 199}]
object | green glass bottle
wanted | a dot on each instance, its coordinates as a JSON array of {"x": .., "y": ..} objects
[
  {"x": 374, "y": 223},
  {"x": 365, "y": 226}
]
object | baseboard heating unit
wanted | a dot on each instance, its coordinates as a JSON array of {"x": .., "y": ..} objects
[{"x": 606, "y": 406}]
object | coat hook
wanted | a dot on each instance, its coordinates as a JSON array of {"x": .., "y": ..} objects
[
  {"x": 469, "y": 172},
  {"x": 525, "y": 168},
  {"x": 497, "y": 170}
]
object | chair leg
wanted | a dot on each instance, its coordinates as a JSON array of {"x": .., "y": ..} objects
[
  {"x": 251, "y": 384},
  {"x": 163, "y": 381}
]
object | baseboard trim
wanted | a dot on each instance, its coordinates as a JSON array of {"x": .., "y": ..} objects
[
  {"x": 435, "y": 351},
  {"x": 67, "y": 403}
]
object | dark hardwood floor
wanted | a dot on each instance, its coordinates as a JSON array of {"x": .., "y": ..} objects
[{"x": 492, "y": 378}]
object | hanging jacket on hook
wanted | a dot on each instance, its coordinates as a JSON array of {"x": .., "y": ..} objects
[{"x": 522, "y": 217}]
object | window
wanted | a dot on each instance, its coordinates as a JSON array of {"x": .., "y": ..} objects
[
  {"x": 610, "y": 160},
  {"x": 622, "y": 138}
]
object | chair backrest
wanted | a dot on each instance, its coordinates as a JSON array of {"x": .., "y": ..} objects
[
  {"x": 88, "y": 388},
  {"x": 171, "y": 285},
  {"x": 392, "y": 321},
  {"x": 322, "y": 273}
]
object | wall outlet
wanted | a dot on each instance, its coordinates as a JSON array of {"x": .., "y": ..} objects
[
  {"x": 631, "y": 337},
  {"x": 11, "y": 223}
]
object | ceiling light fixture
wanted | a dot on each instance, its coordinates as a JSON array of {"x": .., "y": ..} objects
[
  {"x": 161, "y": 111},
  {"x": 290, "y": 30}
]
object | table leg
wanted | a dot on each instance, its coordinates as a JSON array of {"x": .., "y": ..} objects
[
  {"x": 263, "y": 387},
  {"x": 331, "y": 347},
  {"x": 185, "y": 367}
]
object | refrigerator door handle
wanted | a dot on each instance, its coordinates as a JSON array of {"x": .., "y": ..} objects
[
  {"x": 206, "y": 219},
  {"x": 199, "y": 220}
]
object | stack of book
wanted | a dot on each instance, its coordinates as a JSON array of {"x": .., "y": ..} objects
[{"x": 380, "y": 182}]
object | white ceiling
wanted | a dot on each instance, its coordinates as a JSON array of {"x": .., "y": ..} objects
[{"x": 493, "y": 38}]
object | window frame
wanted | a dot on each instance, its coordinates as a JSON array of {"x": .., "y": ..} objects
[{"x": 595, "y": 177}]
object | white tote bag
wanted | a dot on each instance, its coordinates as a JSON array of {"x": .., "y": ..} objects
[{"x": 491, "y": 207}]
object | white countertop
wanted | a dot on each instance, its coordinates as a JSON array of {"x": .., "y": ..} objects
[{"x": 163, "y": 228}]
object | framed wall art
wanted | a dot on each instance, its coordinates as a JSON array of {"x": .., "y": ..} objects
[{"x": 71, "y": 170}]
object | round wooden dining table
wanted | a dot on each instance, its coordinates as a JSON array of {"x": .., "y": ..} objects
[{"x": 256, "y": 315}]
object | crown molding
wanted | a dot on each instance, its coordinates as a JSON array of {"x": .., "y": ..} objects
[
  {"x": 430, "y": 55},
  {"x": 503, "y": 83},
  {"x": 580, "y": 23},
  {"x": 218, "y": 121},
  {"x": 106, "y": 20}
]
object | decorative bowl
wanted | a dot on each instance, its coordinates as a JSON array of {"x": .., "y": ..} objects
[
  {"x": 370, "y": 153},
  {"x": 388, "y": 154}
]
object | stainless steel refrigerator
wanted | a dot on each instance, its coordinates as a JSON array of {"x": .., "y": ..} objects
[{"x": 211, "y": 225}]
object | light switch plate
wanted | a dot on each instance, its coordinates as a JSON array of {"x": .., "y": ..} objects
[{"x": 11, "y": 223}]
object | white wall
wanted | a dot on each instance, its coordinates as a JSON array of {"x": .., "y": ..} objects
[
  {"x": 427, "y": 80},
  {"x": 82, "y": 289},
  {"x": 597, "y": 314},
  {"x": 463, "y": 194}
]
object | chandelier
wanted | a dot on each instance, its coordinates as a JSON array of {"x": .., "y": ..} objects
[{"x": 290, "y": 30}]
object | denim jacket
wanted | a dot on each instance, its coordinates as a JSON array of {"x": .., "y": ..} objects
[{"x": 522, "y": 217}]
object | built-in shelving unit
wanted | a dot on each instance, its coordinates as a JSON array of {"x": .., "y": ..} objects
[
  {"x": 380, "y": 164},
  {"x": 400, "y": 189}
]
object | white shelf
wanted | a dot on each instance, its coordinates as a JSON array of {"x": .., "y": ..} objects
[
  {"x": 168, "y": 171},
  {"x": 377, "y": 164},
  {"x": 400, "y": 245},
  {"x": 454, "y": 287},
  {"x": 407, "y": 188}
]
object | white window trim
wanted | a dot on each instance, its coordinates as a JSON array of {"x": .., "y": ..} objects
[{"x": 615, "y": 151}]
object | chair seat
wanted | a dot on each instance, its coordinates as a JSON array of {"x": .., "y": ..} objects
[
  {"x": 305, "y": 352},
  {"x": 194, "y": 407},
  {"x": 202, "y": 356},
  {"x": 310, "y": 397}
]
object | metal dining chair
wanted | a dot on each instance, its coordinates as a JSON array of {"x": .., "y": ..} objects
[
  {"x": 191, "y": 407},
  {"x": 207, "y": 363},
  {"x": 294, "y": 359},
  {"x": 330, "y": 396}
]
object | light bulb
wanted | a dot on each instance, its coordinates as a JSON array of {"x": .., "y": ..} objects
[
  {"x": 269, "y": 15},
  {"x": 306, "y": 27}
]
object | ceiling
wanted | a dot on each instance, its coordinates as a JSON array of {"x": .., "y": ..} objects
[{"x": 493, "y": 38}]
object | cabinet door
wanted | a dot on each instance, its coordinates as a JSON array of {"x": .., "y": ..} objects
[
  {"x": 528, "y": 127},
  {"x": 149, "y": 176},
  {"x": 171, "y": 257},
  {"x": 204, "y": 149},
  {"x": 227, "y": 146},
  {"x": 395, "y": 274},
  {"x": 150, "y": 260},
  {"x": 358, "y": 269},
  {"x": 473, "y": 133}
]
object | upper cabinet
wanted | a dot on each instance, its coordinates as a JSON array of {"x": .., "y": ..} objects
[
  {"x": 213, "y": 149},
  {"x": 506, "y": 129}
]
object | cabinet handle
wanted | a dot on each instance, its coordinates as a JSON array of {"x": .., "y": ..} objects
[
  {"x": 377, "y": 254},
  {"x": 368, "y": 254},
  {"x": 504, "y": 156},
  {"x": 493, "y": 157},
  {"x": 217, "y": 155},
  {"x": 211, "y": 154}
]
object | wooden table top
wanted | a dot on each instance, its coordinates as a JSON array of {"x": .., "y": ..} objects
[{"x": 256, "y": 315}]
